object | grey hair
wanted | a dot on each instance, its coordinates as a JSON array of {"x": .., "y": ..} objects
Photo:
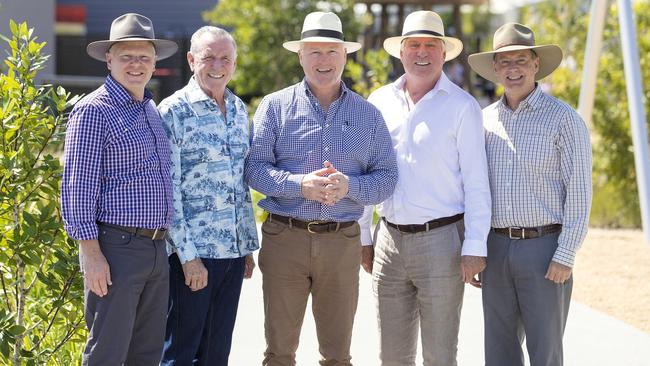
[{"x": 214, "y": 31}]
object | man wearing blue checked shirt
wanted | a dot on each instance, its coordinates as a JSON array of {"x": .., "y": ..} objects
[
  {"x": 213, "y": 233},
  {"x": 319, "y": 153},
  {"x": 117, "y": 199},
  {"x": 539, "y": 162}
]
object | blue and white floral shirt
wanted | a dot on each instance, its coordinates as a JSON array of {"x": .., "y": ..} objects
[{"x": 213, "y": 213}]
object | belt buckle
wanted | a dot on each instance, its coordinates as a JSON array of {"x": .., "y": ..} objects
[
  {"x": 309, "y": 224},
  {"x": 515, "y": 237}
]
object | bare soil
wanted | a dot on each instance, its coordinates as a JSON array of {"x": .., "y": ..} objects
[{"x": 612, "y": 275}]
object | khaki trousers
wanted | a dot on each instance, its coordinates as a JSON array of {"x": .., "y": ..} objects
[
  {"x": 417, "y": 283},
  {"x": 295, "y": 264}
]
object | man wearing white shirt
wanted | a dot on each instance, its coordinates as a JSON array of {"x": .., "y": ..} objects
[{"x": 433, "y": 231}]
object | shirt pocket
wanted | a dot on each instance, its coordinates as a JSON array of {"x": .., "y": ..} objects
[{"x": 356, "y": 143}]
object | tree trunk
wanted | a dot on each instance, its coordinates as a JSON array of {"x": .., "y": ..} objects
[{"x": 20, "y": 309}]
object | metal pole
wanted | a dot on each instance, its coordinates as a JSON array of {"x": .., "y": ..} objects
[
  {"x": 637, "y": 110},
  {"x": 592, "y": 56}
]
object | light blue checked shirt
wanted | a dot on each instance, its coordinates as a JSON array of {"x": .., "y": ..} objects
[
  {"x": 293, "y": 136},
  {"x": 213, "y": 213},
  {"x": 539, "y": 164},
  {"x": 116, "y": 164}
]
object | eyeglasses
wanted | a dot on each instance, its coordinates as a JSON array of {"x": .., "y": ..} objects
[{"x": 127, "y": 59}]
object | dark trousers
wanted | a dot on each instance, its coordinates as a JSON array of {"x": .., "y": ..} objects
[
  {"x": 127, "y": 326},
  {"x": 518, "y": 301},
  {"x": 200, "y": 324}
]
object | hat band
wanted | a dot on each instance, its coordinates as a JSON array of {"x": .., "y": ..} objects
[
  {"x": 131, "y": 36},
  {"x": 432, "y": 33},
  {"x": 523, "y": 44},
  {"x": 322, "y": 33}
]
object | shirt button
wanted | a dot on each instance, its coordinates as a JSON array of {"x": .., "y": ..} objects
[
  {"x": 327, "y": 125},
  {"x": 327, "y": 148},
  {"x": 508, "y": 208}
]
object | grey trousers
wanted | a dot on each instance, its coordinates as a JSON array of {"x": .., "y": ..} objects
[
  {"x": 127, "y": 326},
  {"x": 417, "y": 283},
  {"x": 518, "y": 301}
]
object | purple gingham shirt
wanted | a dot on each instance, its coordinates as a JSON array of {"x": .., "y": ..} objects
[
  {"x": 117, "y": 164},
  {"x": 293, "y": 136}
]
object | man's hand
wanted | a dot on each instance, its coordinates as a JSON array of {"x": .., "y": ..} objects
[
  {"x": 97, "y": 273},
  {"x": 470, "y": 266},
  {"x": 558, "y": 273},
  {"x": 196, "y": 276},
  {"x": 367, "y": 256},
  {"x": 249, "y": 265},
  {"x": 314, "y": 185},
  {"x": 339, "y": 189}
]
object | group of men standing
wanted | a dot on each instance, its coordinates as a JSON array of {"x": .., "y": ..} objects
[{"x": 498, "y": 199}]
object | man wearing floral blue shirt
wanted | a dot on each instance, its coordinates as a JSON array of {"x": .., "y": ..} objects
[{"x": 213, "y": 232}]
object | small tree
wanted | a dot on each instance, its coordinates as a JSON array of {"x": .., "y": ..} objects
[{"x": 42, "y": 294}]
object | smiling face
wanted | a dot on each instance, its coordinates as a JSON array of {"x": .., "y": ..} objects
[
  {"x": 323, "y": 64},
  {"x": 516, "y": 71},
  {"x": 213, "y": 64},
  {"x": 132, "y": 64},
  {"x": 422, "y": 58}
]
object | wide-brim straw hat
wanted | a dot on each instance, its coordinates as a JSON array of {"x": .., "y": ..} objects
[
  {"x": 322, "y": 27},
  {"x": 516, "y": 37},
  {"x": 424, "y": 23},
  {"x": 131, "y": 27}
]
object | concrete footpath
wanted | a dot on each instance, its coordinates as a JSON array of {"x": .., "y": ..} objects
[{"x": 592, "y": 338}]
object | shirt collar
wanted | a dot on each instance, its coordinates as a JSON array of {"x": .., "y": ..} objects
[
  {"x": 304, "y": 89},
  {"x": 443, "y": 84},
  {"x": 533, "y": 100},
  {"x": 196, "y": 94},
  {"x": 121, "y": 95}
]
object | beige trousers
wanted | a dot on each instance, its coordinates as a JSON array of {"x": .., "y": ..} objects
[
  {"x": 295, "y": 264},
  {"x": 417, "y": 283}
]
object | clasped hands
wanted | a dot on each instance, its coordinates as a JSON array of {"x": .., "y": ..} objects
[{"x": 326, "y": 185}]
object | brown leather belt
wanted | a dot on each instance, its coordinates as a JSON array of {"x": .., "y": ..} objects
[
  {"x": 527, "y": 232},
  {"x": 429, "y": 225},
  {"x": 314, "y": 227},
  {"x": 153, "y": 234}
]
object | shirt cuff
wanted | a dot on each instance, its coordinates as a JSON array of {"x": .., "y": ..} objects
[
  {"x": 477, "y": 248},
  {"x": 366, "y": 237},
  {"x": 564, "y": 256},
  {"x": 353, "y": 188},
  {"x": 186, "y": 253},
  {"x": 293, "y": 186},
  {"x": 83, "y": 232}
]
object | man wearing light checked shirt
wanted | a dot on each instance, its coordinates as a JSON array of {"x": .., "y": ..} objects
[
  {"x": 319, "y": 152},
  {"x": 539, "y": 163},
  {"x": 117, "y": 199}
]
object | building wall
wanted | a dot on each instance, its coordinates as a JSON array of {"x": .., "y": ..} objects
[
  {"x": 39, "y": 14},
  {"x": 171, "y": 18}
]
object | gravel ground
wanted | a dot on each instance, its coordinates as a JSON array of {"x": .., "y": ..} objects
[{"x": 612, "y": 275}]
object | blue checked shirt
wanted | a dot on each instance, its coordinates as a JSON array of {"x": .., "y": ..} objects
[
  {"x": 539, "y": 164},
  {"x": 213, "y": 213},
  {"x": 116, "y": 164},
  {"x": 293, "y": 136}
]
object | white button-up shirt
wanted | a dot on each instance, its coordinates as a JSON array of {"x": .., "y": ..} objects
[{"x": 440, "y": 148}]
